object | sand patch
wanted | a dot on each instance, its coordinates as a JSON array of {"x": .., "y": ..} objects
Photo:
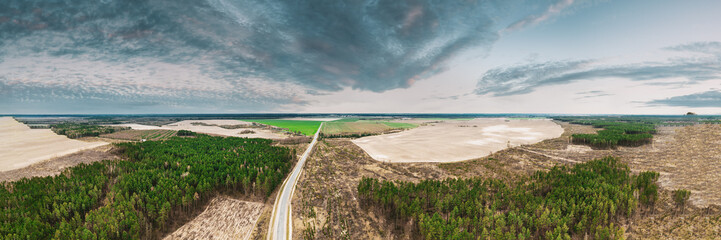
[
  {"x": 192, "y": 125},
  {"x": 311, "y": 119},
  {"x": 224, "y": 218},
  {"x": 457, "y": 140},
  {"x": 21, "y": 146}
]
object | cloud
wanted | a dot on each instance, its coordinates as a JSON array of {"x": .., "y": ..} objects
[
  {"x": 531, "y": 20},
  {"x": 702, "y": 99},
  {"x": 521, "y": 79},
  {"x": 592, "y": 94},
  {"x": 318, "y": 45}
]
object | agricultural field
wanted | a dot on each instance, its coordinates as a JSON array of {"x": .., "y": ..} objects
[
  {"x": 449, "y": 141},
  {"x": 305, "y": 127},
  {"x": 223, "y": 218},
  {"x": 137, "y": 135},
  {"x": 21, "y": 146},
  {"x": 351, "y": 127}
]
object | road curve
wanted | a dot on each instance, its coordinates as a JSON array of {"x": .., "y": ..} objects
[{"x": 281, "y": 221}]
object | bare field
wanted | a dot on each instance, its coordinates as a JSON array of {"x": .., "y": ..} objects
[
  {"x": 223, "y": 218},
  {"x": 457, "y": 140},
  {"x": 137, "y": 135},
  {"x": 222, "y": 127},
  {"x": 55, "y": 166},
  {"x": 21, "y": 146},
  {"x": 213, "y": 127}
]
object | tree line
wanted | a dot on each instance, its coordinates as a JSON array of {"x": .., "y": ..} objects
[
  {"x": 615, "y": 133},
  {"x": 588, "y": 199},
  {"x": 137, "y": 197}
]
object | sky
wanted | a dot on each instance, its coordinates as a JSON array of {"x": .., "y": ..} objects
[{"x": 375, "y": 56}]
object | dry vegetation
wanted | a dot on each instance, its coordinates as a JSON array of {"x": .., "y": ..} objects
[
  {"x": 223, "y": 218},
  {"x": 325, "y": 204}
]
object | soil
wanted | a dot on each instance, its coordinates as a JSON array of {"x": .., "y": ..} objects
[
  {"x": 457, "y": 140},
  {"x": 223, "y": 218},
  {"x": 56, "y": 165}
]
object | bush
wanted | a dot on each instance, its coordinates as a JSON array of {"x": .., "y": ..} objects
[
  {"x": 681, "y": 197},
  {"x": 185, "y": 133}
]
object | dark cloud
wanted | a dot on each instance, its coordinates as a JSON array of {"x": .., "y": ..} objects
[
  {"x": 702, "y": 99},
  {"x": 523, "y": 79},
  {"x": 326, "y": 45}
]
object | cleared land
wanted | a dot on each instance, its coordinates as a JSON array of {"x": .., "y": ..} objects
[
  {"x": 232, "y": 128},
  {"x": 21, "y": 146},
  {"x": 454, "y": 140},
  {"x": 55, "y": 166},
  {"x": 224, "y": 218},
  {"x": 306, "y": 127},
  {"x": 326, "y": 204},
  {"x": 137, "y": 135}
]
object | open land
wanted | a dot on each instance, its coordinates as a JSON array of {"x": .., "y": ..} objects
[
  {"x": 326, "y": 204},
  {"x": 223, "y": 218},
  {"x": 454, "y": 140},
  {"x": 363, "y": 127},
  {"x": 232, "y": 128},
  {"x": 305, "y": 127},
  {"x": 21, "y": 146},
  {"x": 55, "y": 166}
]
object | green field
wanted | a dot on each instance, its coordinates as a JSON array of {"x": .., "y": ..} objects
[
  {"x": 307, "y": 128},
  {"x": 399, "y": 125}
]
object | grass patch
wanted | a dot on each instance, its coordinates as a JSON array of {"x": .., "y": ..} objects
[{"x": 304, "y": 127}]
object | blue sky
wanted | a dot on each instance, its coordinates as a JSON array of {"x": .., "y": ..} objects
[{"x": 236, "y": 56}]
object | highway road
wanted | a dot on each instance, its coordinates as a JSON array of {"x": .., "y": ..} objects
[{"x": 281, "y": 221}]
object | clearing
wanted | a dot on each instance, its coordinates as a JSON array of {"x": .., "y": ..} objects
[
  {"x": 456, "y": 140},
  {"x": 223, "y": 218},
  {"x": 21, "y": 146},
  {"x": 306, "y": 127}
]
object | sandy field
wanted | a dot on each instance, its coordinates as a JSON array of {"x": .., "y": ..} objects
[
  {"x": 55, "y": 166},
  {"x": 21, "y": 146},
  {"x": 457, "y": 140},
  {"x": 224, "y": 218},
  {"x": 210, "y": 129}
]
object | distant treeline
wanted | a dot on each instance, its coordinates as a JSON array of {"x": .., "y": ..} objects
[
  {"x": 78, "y": 130},
  {"x": 138, "y": 197},
  {"x": 564, "y": 203}
]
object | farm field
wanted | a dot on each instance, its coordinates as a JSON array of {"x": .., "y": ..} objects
[
  {"x": 223, "y": 218},
  {"x": 305, "y": 127},
  {"x": 449, "y": 141},
  {"x": 137, "y": 135},
  {"x": 362, "y": 126},
  {"x": 21, "y": 146}
]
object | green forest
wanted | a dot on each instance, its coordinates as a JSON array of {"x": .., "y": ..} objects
[
  {"x": 137, "y": 197},
  {"x": 563, "y": 203},
  {"x": 615, "y": 133}
]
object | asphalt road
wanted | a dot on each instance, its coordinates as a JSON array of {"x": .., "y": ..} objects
[{"x": 281, "y": 226}]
